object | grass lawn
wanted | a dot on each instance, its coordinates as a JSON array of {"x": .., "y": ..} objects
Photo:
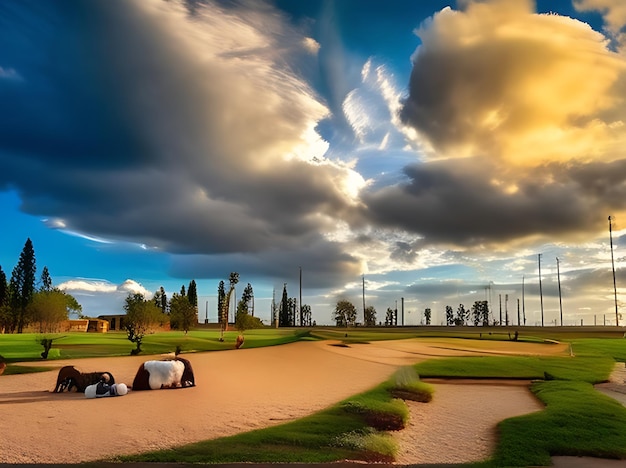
[{"x": 25, "y": 347}]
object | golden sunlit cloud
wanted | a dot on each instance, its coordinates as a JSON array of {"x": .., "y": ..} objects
[{"x": 498, "y": 80}]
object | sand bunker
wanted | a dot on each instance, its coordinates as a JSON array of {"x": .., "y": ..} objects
[{"x": 246, "y": 389}]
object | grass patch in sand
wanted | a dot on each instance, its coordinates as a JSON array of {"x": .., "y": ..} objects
[
  {"x": 577, "y": 419},
  {"x": 352, "y": 429}
]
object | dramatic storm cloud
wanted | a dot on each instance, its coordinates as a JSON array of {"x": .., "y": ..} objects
[{"x": 183, "y": 131}]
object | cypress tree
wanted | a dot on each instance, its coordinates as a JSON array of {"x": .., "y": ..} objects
[
  {"x": 46, "y": 281},
  {"x": 192, "y": 294},
  {"x": 22, "y": 286},
  {"x": 283, "y": 317},
  {"x": 221, "y": 297}
]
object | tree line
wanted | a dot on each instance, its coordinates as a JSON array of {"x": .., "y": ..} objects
[
  {"x": 26, "y": 301},
  {"x": 345, "y": 315}
]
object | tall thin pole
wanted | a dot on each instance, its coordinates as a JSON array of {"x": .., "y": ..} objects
[
  {"x": 523, "y": 302},
  {"x": 274, "y": 311},
  {"x": 500, "y": 300},
  {"x": 364, "y": 300},
  {"x": 540, "y": 289},
  {"x": 518, "y": 318},
  {"x": 613, "y": 265},
  {"x": 506, "y": 309},
  {"x": 558, "y": 276},
  {"x": 300, "y": 296}
]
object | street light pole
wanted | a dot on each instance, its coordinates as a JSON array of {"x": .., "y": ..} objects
[
  {"x": 558, "y": 276},
  {"x": 613, "y": 265},
  {"x": 523, "y": 301},
  {"x": 540, "y": 289}
]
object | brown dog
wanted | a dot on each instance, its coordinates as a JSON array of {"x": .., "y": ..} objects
[{"x": 69, "y": 377}]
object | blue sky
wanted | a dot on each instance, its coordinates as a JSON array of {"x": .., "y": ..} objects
[{"x": 437, "y": 148}]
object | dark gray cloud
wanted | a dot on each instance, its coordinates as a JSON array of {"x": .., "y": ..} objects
[
  {"x": 184, "y": 130},
  {"x": 458, "y": 203},
  {"x": 324, "y": 265}
]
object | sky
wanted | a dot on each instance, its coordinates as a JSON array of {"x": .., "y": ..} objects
[{"x": 427, "y": 153}]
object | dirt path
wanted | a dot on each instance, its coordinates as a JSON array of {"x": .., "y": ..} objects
[{"x": 236, "y": 391}]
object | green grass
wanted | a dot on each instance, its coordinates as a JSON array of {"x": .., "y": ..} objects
[
  {"x": 587, "y": 369},
  {"x": 352, "y": 429},
  {"x": 615, "y": 348},
  {"x": 577, "y": 421},
  {"x": 75, "y": 345}
]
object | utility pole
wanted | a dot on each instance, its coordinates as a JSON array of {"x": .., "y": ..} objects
[
  {"x": 300, "y": 296},
  {"x": 558, "y": 276},
  {"x": 506, "y": 309},
  {"x": 518, "y": 322},
  {"x": 500, "y": 299},
  {"x": 613, "y": 265},
  {"x": 540, "y": 289},
  {"x": 395, "y": 314},
  {"x": 523, "y": 301},
  {"x": 363, "y": 299},
  {"x": 402, "y": 302},
  {"x": 274, "y": 311}
]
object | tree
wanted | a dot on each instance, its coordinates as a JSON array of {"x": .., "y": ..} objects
[
  {"x": 244, "y": 320},
  {"x": 369, "y": 319},
  {"x": 141, "y": 317},
  {"x": 183, "y": 314},
  {"x": 427, "y": 315},
  {"x": 192, "y": 294},
  {"x": 22, "y": 287},
  {"x": 345, "y": 313},
  {"x": 307, "y": 316},
  {"x": 72, "y": 305},
  {"x": 247, "y": 299},
  {"x": 225, "y": 303},
  {"x": 46, "y": 281},
  {"x": 160, "y": 300},
  {"x": 283, "y": 313},
  {"x": 221, "y": 296},
  {"x": 485, "y": 313},
  {"x": 5, "y": 316},
  {"x": 449, "y": 316},
  {"x": 49, "y": 309},
  {"x": 461, "y": 315},
  {"x": 182, "y": 290},
  {"x": 389, "y": 317}
]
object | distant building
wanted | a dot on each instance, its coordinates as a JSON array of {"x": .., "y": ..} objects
[
  {"x": 87, "y": 325},
  {"x": 116, "y": 322}
]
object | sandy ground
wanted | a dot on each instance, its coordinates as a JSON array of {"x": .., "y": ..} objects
[
  {"x": 458, "y": 425},
  {"x": 246, "y": 389}
]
